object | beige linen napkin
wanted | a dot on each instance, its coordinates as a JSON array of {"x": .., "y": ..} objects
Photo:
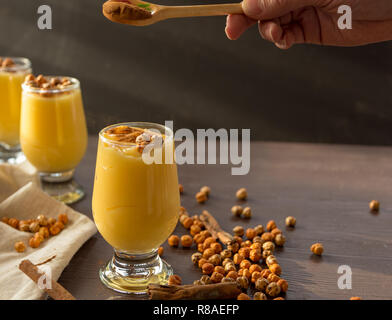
[
  {"x": 14, "y": 177},
  {"x": 27, "y": 203}
]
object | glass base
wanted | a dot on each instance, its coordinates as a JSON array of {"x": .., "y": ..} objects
[
  {"x": 11, "y": 155},
  {"x": 131, "y": 274},
  {"x": 62, "y": 187}
]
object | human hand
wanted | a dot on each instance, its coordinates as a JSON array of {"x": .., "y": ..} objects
[{"x": 288, "y": 22}]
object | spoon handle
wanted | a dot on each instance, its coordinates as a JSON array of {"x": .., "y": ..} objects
[{"x": 203, "y": 10}]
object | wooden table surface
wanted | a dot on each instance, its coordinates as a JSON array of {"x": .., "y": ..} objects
[{"x": 326, "y": 187}]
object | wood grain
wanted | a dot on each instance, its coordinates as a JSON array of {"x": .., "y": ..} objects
[{"x": 326, "y": 187}]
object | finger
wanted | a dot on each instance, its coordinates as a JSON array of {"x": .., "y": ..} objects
[
  {"x": 284, "y": 37},
  {"x": 271, "y": 9},
  {"x": 270, "y": 30},
  {"x": 237, "y": 24}
]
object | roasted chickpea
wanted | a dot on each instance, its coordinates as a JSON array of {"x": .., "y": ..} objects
[
  {"x": 290, "y": 221},
  {"x": 41, "y": 219},
  {"x": 271, "y": 225},
  {"x": 265, "y": 273},
  {"x": 272, "y": 289},
  {"x": 245, "y": 252},
  {"x": 259, "y": 229},
  {"x": 284, "y": 286},
  {"x": 216, "y": 277},
  {"x": 255, "y": 255},
  {"x": 267, "y": 236},
  {"x": 233, "y": 247},
  {"x": 199, "y": 238},
  {"x": 275, "y": 268},
  {"x": 275, "y": 232},
  {"x": 250, "y": 233},
  {"x": 19, "y": 246},
  {"x": 180, "y": 188},
  {"x": 245, "y": 264},
  {"x": 245, "y": 273},
  {"x": 59, "y": 225},
  {"x": 269, "y": 245},
  {"x": 272, "y": 277},
  {"x": 14, "y": 223},
  {"x": 259, "y": 296},
  {"x": 226, "y": 254},
  {"x": 374, "y": 205},
  {"x": 226, "y": 261},
  {"x": 206, "y": 190},
  {"x": 173, "y": 241},
  {"x": 208, "y": 242},
  {"x": 317, "y": 249},
  {"x": 254, "y": 267},
  {"x": 201, "y": 262},
  {"x": 266, "y": 253},
  {"x": 237, "y": 259},
  {"x": 205, "y": 279},
  {"x": 247, "y": 213},
  {"x": 220, "y": 269},
  {"x": 195, "y": 229},
  {"x": 208, "y": 253},
  {"x": 243, "y": 296},
  {"x": 270, "y": 260},
  {"x": 215, "y": 259},
  {"x": 63, "y": 218},
  {"x": 201, "y": 197},
  {"x": 24, "y": 226},
  {"x": 236, "y": 211},
  {"x": 44, "y": 232},
  {"x": 196, "y": 258},
  {"x": 243, "y": 282},
  {"x": 34, "y": 242},
  {"x": 186, "y": 241},
  {"x": 207, "y": 268},
  {"x": 261, "y": 284},
  {"x": 54, "y": 229},
  {"x": 256, "y": 246},
  {"x": 187, "y": 222},
  {"x": 258, "y": 239},
  {"x": 217, "y": 247},
  {"x": 255, "y": 275},
  {"x": 230, "y": 267},
  {"x": 241, "y": 194},
  {"x": 280, "y": 240},
  {"x": 232, "y": 274}
]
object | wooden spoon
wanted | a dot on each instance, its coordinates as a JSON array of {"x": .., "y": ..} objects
[{"x": 141, "y": 13}]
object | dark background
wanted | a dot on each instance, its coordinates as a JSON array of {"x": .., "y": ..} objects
[{"x": 188, "y": 71}]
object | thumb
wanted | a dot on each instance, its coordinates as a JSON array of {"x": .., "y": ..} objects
[{"x": 271, "y": 9}]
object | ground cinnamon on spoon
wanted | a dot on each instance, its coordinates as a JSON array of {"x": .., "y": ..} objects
[{"x": 125, "y": 10}]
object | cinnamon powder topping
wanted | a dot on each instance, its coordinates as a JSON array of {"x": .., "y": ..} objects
[{"x": 137, "y": 136}]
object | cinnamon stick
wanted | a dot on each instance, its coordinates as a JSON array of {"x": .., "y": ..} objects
[
  {"x": 214, "y": 228},
  {"x": 57, "y": 292},
  {"x": 225, "y": 290}
]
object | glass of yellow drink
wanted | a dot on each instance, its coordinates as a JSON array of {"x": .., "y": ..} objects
[
  {"x": 12, "y": 74},
  {"x": 135, "y": 203},
  {"x": 53, "y": 133}
]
